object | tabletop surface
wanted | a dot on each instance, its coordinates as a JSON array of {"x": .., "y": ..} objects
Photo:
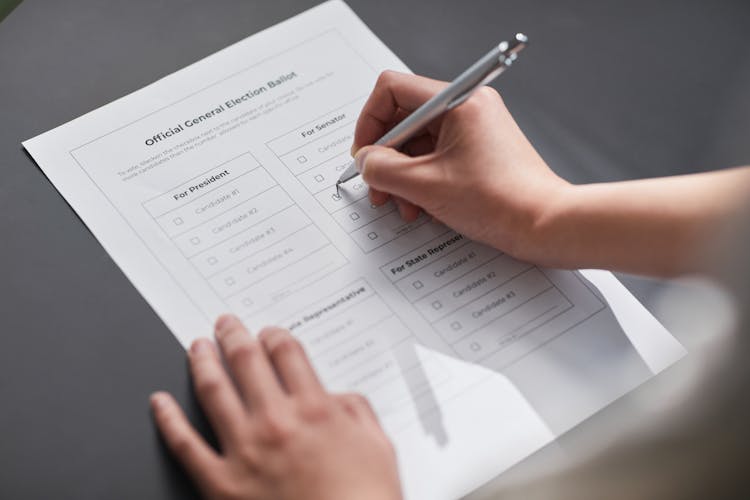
[{"x": 608, "y": 90}]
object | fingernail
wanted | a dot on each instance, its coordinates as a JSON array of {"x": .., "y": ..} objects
[
  {"x": 353, "y": 150},
  {"x": 200, "y": 346},
  {"x": 263, "y": 335},
  {"x": 359, "y": 161},
  {"x": 158, "y": 400},
  {"x": 224, "y": 322},
  {"x": 269, "y": 332},
  {"x": 401, "y": 210}
]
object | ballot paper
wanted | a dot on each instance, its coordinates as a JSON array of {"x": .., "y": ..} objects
[{"x": 214, "y": 190}]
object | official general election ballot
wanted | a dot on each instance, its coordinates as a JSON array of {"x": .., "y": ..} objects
[{"x": 214, "y": 190}]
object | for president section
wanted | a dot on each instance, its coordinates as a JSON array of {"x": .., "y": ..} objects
[{"x": 244, "y": 235}]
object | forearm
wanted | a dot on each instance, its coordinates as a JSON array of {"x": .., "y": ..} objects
[{"x": 660, "y": 227}]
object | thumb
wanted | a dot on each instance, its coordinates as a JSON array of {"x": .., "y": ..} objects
[{"x": 393, "y": 172}]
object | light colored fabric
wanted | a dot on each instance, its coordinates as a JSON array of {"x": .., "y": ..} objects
[{"x": 698, "y": 448}]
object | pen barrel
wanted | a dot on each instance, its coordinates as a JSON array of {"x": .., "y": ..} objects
[
  {"x": 486, "y": 69},
  {"x": 481, "y": 72},
  {"x": 413, "y": 123}
]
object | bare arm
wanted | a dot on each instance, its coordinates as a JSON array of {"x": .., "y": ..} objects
[
  {"x": 475, "y": 171},
  {"x": 662, "y": 226}
]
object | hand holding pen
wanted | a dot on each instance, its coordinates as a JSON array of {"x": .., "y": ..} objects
[{"x": 486, "y": 69}]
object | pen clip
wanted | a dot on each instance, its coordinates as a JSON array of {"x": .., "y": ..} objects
[
  {"x": 491, "y": 75},
  {"x": 504, "y": 61}
]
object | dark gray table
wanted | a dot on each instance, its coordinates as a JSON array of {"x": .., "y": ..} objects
[{"x": 608, "y": 90}]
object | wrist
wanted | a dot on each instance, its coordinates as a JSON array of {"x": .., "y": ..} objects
[{"x": 552, "y": 240}]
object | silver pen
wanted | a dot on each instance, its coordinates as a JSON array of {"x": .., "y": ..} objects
[{"x": 480, "y": 73}]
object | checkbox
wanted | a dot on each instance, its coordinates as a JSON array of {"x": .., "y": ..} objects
[
  {"x": 230, "y": 281},
  {"x": 372, "y": 235},
  {"x": 247, "y": 302},
  {"x": 212, "y": 260},
  {"x": 417, "y": 284},
  {"x": 336, "y": 197},
  {"x": 319, "y": 178},
  {"x": 354, "y": 215},
  {"x": 177, "y": 221},
  {"x": 195, "y": 240},
  {"x": 437, "y": 305},
  {"x": 456, "y": 325},
  {"x": 302, "y": 159},
  {"x": 475, "y": 346}
]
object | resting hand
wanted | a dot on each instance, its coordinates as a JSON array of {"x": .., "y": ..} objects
[{"x": 282, "y": 436}]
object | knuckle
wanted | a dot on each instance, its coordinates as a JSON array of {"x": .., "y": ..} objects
[
  {"x": 243, "y": 353},
  {"x": 275, "y": 427},
  {"x": 315, "y": 409},
  {"x": 286, "y": 345},
  {"x": 472, "y": 107},
  {"x": 249, "y": 454},
  {"x": 385, "y": 78},
  {"x": 181, "y": 445},
  {"x": 484, "y": 98},
  {"x": 208, "y": 385},
  {"x": 488, "y": 94}
]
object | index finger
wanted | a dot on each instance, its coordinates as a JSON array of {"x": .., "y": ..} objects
[
  {"x": 248, "y": 363},
  {"x": 393, "y": 92}
]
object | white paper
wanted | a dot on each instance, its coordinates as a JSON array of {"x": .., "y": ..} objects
[{"x": 213, "y": 190}]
